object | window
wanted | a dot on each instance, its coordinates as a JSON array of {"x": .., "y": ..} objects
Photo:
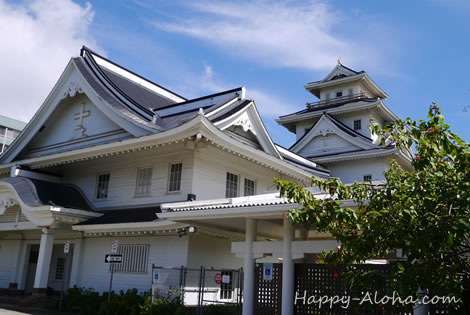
[
  {"x": 350, "y": 91},
  {"x": 249, "y": 188},
  {"x": 327, "y": 96},
  {"x": 339, "y": 94},
  {"x": 231, "y": 186},
  {"x": 144, "y": 181},
  {"x": 367, "y": 178},
  {"x": 357, "y": 124},
  {"x": 59, "y": 269},
  {"x": 226, "y": 287},
  {"x": 102, "y": 186},
  {"x": 174, "y": 183},
  {"x": 134, "y": 258}
]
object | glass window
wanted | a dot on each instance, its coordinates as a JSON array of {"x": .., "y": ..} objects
[
  {"x": 102, "y": 186},
  {"x": 144, "y": 181},
  {"x": 339, "y": 94},
  {"x": 367, "y": 178},
  {"x": 231, "y": 186},
  {"x": 174, "y": 183},
  {"x": 357, "y": 124},
  {"x": 249, "y": 188},
  {"x": 59, "y": 269},
  {"x": 226, "y": 287}
]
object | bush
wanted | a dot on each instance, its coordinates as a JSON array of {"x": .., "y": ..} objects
[{"x": 82, "y": 301}]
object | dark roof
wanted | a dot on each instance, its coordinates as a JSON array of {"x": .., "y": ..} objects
[
  {"x": 34, "y": 192},
  {"x": 147, "y": 214},
  {"x": 346, "y": 129},
  {"x": 137, "y": 92},
  {"x": 330, "y": 106},
  {"x": 318, "y": 168}
]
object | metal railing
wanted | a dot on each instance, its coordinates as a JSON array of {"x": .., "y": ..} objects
[{"x": 337, "y": 100}]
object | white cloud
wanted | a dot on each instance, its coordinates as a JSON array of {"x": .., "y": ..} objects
[
  {"x": 38, "y": 39},
  {"x": 282, "y": 34}
]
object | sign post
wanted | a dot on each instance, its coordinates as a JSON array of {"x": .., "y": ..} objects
[
  {"x": 114, "y": 247},
  {"x": 66, "y": 253}
]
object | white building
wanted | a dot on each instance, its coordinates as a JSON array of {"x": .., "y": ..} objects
[{"x": 111, "y": 155}]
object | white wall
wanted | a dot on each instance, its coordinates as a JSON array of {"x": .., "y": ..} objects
[
  {"x": 350, "y": 171},
  {"x": 166, "y": 251},
  {"x": 123, "y": 176},
  {"x": 211, "y": 167}
]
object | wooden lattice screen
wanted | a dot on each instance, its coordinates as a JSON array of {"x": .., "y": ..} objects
[
  {"x": 327, "y": 280},
  {"x": 268, "y": 294}
]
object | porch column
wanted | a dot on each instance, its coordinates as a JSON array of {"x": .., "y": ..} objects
[
  {"x": 287, "y": 270},
  {"x": 76, "y": 262},
  {"x": 44, "y": 261},
  {"x": 17, "y": 268},
  {"x": 249, "y": 267}
]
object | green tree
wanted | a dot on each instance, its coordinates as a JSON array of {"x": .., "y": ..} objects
[{"x": 423, "y": 213}]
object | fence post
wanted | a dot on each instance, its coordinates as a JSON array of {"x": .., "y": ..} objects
[{"x": 198, "y": 309}]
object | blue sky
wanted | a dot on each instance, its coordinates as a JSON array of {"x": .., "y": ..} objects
[{"x": 417, "y": 51}]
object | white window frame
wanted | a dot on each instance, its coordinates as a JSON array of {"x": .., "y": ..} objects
[
  {"x": 238, "y": 184},
  {"x": 367, "y": 180},
  {"x": 360, "y": 124},
  {"x": 137, "y": 180},
  {"x": 169, "y": 178},
  {"x": 244, "y": 186},
  {"x": 97, "y": 186}
]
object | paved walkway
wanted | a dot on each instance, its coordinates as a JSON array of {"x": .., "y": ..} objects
[{"x": 16, "y": 310}]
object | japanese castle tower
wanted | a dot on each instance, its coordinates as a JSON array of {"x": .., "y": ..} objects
[{"x": 334, "y": 131}]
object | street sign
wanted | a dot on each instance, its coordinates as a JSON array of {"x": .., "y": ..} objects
[
  {"x": 156, "y": 276},
  {"x": 113, "y": 258},
  {"x": 218, "y": 278},
  {"x": 114, "y": 246},
  {"x": 267, "y": 271},
  {"x": 66, "y": 247}
]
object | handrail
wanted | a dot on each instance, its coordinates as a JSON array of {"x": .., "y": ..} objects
[{"x": 336, "y": 100}]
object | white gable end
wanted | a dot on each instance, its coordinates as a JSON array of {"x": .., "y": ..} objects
[
  {"x": 327, "y": 138},
  {"x": 247, "y": 124},
  {"x": 76, "y": 122},
  {"x": 55, "y": 120}
]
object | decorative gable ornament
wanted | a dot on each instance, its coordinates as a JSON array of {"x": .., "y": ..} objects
[
  {"x": 245, "y": 122},
  {"x": 7, "y": 203},
  {"x": 72, "y": 90},
  {"x": 323, "y": 132}
]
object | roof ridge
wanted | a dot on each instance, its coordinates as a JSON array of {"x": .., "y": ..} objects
[{"x": 84, "y": 48}]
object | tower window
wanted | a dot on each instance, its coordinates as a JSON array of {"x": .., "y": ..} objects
[
  {"x": 357, "y": 125},
  {"x": 339, "y": 94},
  {"x": 231, "y": 186},
  {"x": 350, "y": 91},
  {"x": 367, "y": 178},
  {"x": 327, "y": 96}
]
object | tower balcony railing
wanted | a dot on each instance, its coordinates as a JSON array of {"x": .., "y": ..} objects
[{"x": 337, "y": 100}]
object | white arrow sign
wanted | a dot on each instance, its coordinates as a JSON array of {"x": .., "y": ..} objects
[{"x": 110, "y": 258}]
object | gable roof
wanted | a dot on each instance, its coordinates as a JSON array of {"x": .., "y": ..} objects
[
  {"x": 342, "y": 74},
  {"x": 334, "y": 126},
  {"x": 35, "y": 192}
]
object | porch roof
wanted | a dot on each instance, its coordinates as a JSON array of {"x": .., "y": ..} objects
[{"x": 35, "y": 192}]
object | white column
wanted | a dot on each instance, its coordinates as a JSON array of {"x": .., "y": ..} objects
[
  {"x": 287, "y": 270},
  {"x": 249, "y": 267},
  {"x": 19, "y": 263},
  {"x": 78, "y": 247},
  {"x": 44, "y": 259}
]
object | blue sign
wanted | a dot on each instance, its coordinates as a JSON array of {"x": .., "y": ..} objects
[
  {"x": 267, "y": 272},
  {"x": 156, "y": 276}
]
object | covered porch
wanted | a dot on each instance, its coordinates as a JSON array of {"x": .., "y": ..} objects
[
  {"x": 36, "y": 219},
  {"x": 266, "y": 233}
]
